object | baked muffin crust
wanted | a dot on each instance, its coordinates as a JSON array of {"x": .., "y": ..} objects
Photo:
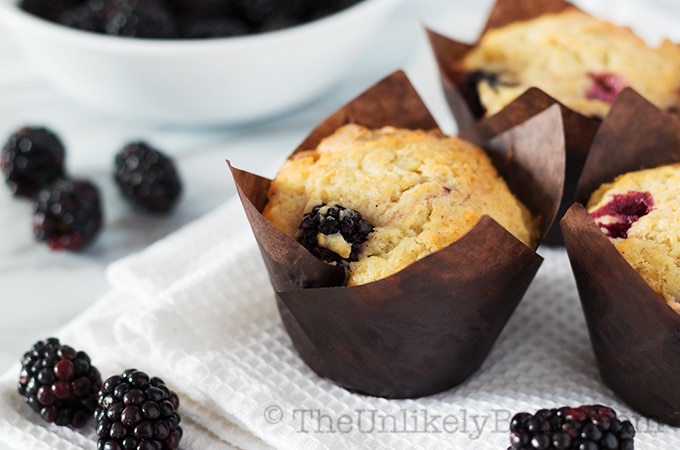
[
  {"x": 640, "y": 212},
  {"x": 581, "y": 61},
  {"x": 419, "y": 190}
]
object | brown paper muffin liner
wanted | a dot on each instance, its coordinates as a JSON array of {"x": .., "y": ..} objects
[
  {"x": 430, "y": 326},
  {"x": 635, "y": 335},
  {"x": 578, "y": 129}
]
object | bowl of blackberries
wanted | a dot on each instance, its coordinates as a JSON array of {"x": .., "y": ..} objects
[{"x": 194, "y": 62}]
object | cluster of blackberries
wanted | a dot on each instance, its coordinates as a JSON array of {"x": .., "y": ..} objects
[
  {"x": 182, "y": 19},
  {"x": 132, "y": 410},
  {"x": 586, "y": 427},
  {"x": 68, "y": 212}
]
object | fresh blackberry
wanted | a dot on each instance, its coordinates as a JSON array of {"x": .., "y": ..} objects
[
  {"x": 201, "y": 8},
  {"x": 48, "y": 9},
  {"x": 467, "y": 84},
  {"x": 88, "y": 16},
  {"x": 137, "y": 412},
  {"x": 277, "y": 21},
  {"x": 334, "y": 233},
  {"x": 147, "y": 177},
  {"x": 587, "y": 427},
  {"x": 31, "y": 158},
  {"x": 140, "y": 19},
  {"x": 322, "y": 9},
  {"x": 59, "y": 383},
  {"x": 67, "y": 214},
  {"x": 199, "y": 28}
]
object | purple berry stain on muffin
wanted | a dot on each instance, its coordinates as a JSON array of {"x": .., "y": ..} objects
[
  {"x": 587, "y": 427},
  {"x": 606, "y": 86},
  {"x": 617, "y": 216},
  {"x": 334, "y": 233}
]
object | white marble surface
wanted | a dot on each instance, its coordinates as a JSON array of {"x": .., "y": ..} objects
[{"x": 40, "y": 290}]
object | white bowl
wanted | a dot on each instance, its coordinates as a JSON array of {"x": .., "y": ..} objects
[{"x": 201, "y": 81}]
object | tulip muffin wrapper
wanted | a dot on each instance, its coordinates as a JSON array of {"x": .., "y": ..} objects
[
  {"x": 579, "y": 130},
  {"x": 430, "y": 326},
  {"x": 634, "y": 333}
]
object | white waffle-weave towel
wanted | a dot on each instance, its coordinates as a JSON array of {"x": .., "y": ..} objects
[{"x": 197, "y": 310}]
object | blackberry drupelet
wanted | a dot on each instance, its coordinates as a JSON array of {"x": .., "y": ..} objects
[
  {"x": 147, "y": 177},
  {"x": 67, "y": 214},
  {"x": 59, "y": 383},
  {"x": 334, "y": 233},
  {"x": 31, "y": 158},
  {"x": 587, "y": 427},
  {"x": 137, "y": 412}
]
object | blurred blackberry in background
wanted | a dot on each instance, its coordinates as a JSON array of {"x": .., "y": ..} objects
[
  {"x": 137, "y": 412},
  {"x": 147, "y": 177},
  {"x": 49, "y": 9},
  {"x": 88, "y": 16},
  {"x": 139, "y": 18},
  {"x": 175, "y": 19},
  {"x": 59, "y": 383},
  {"x": 31, "y": 158},
  {"x": 196, "y": 28},
  {"x": 67, "y": 214},
  {"x": 201, "y": 8}
]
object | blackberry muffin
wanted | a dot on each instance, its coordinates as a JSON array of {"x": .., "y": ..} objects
[
  {"x": 621, "y": 237},
  {"x": 377, "y": 176},
  {"x": 581, "y": 61},
  {"x": 378, "y": 200},
  {"x": 639, "y": 212}
]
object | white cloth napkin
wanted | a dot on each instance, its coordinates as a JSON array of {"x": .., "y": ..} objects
[{"x": 197, "y": 310}]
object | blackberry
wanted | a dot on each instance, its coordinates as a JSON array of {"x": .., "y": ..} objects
[
  {"x": 201, "y": 8},
  {"x": 467, "y": 84},
  {"x": 59, "y": 383},
  {"x": 139, "y": 18},
  {"x": 137, "y": 412},
  {"x": 31, "y": 158},
  {"x": 147, "y": 177},
  {"x": 47, "y": 9},
  {"x": 67, "y": 214},
  {"x": 334, "y": 233},
  {"x": 200, "y": 28},
  {"x": 89, "y": 16},
  {"x": 587, "y": 427}
]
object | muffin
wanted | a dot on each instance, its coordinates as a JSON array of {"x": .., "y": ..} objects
[
  {"x": 428, "y": 326},
  {"x": 620, "y": 238},
  {"x": 460, "y": 79},
  {"x": 581, "y": 61},
  {"x": 413, "y": 192},
  {"x": 640, "y": 213}
]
